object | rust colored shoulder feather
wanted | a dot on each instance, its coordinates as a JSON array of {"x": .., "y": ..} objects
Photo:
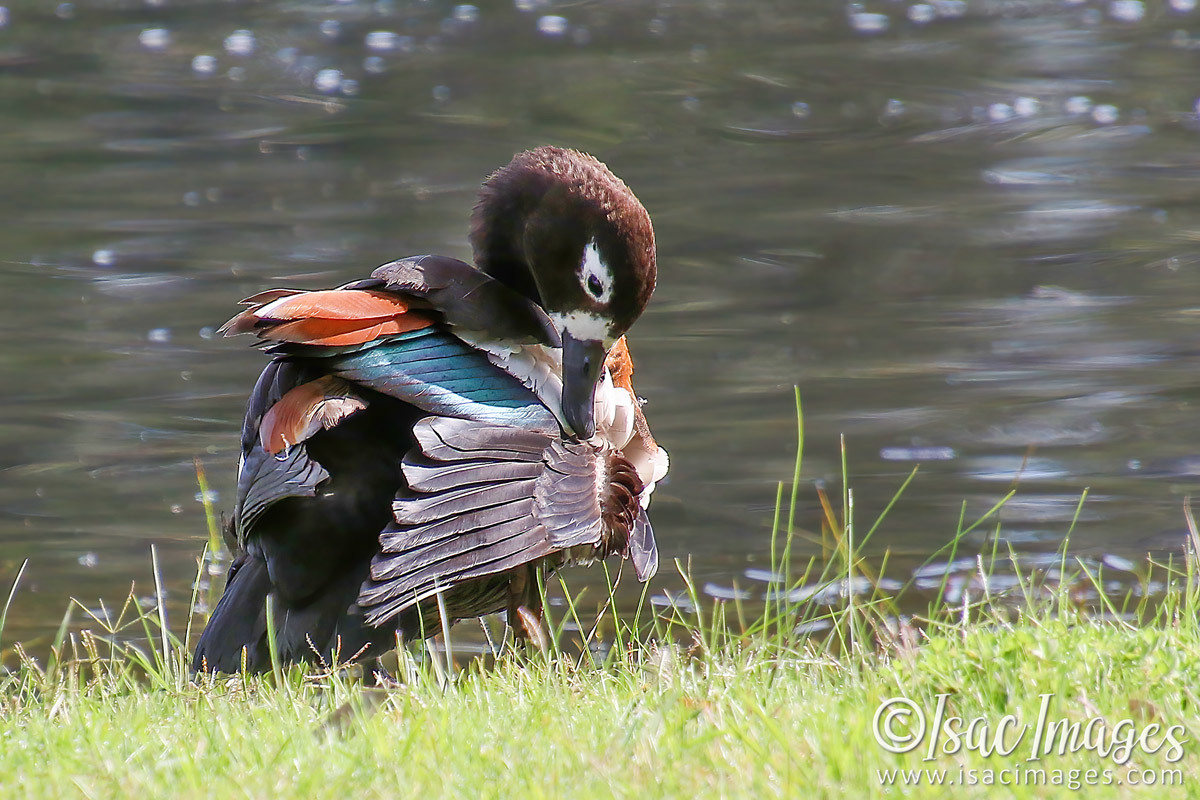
[
  {"x": 310, "y": 407},
  {"x": 332, "y": 317}
]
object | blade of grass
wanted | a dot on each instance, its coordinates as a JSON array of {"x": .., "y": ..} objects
[
  {"x": 56, "y": 648},
  {"x": 160, "y": 600},
  {"x": 445, "y": 620},
  {"x": 210, "y": 515},
  {"x": 12, "y": 592},
  {"x": 273, "y": 641},
  {"x": 791, "y": 528}
]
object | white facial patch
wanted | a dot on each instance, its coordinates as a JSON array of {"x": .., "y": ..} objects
[
  {"x": 595, "y": 276},
  {"x": 584, "y": 326}
]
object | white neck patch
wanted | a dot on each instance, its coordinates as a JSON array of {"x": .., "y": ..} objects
[
  {"x": 592, "y": 271},
  {"x": 584, "y": 326}
]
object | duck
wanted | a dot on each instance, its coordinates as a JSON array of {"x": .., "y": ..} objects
[{"x": 425, "y": 442}]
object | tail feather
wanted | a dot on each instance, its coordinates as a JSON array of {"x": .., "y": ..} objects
[
  {"x": 239, "y": 622},
  {"x": 328, "y": 627}
]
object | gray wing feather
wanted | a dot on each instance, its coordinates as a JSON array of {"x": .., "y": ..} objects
[
  {"x": 446, "y": 504},
  {"x": 447, "y": 439},
  {"x": 566, "y": 498},
  {"x": 399, "y": 540},
  {"x": 433, "y": 477},
  {"x": 465, "y": 542},
  {"x": 482, "y": 500}
]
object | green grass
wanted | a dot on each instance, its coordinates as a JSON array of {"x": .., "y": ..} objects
[
  {"x": 749, "y": 719},
  {"x": 705, "y": 702}
]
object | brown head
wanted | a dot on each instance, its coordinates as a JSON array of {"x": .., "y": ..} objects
[{"x": 559, "y": 227}]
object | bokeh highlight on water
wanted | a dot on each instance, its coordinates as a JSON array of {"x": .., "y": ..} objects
[{"x": 967, "y": 231}]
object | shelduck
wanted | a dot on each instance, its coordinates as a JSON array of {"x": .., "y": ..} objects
[{"x": 445, "y": 428}]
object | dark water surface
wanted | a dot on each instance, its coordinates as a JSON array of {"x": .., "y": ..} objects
[{"x": 967, "y": 231}]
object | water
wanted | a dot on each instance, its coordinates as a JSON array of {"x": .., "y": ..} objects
[{"x": 966, "y": 231}]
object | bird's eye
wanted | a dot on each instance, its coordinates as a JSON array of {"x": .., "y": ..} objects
[{"x": 595, "y": 286}]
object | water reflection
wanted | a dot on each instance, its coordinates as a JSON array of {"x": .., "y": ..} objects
[{"x": 965, "y": 230}]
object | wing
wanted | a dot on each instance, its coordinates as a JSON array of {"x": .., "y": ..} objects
[
  {"x": 338, "y": 350},
  {"x": 484, "y": 500}
]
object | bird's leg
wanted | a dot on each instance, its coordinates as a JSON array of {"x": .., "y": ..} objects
[
  {"x": 525, "y": 608},
  {"x": 383, "y": 678}
]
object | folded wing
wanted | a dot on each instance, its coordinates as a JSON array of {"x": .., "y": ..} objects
[{"x": 338, "y": 349}]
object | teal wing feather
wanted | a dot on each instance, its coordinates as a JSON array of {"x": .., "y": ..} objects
[{"x": 437, "y": 372}]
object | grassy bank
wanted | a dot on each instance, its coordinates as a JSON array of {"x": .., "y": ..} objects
[
  {"x": 698, "y": 700},
  {"x": 748, "y": 719}
]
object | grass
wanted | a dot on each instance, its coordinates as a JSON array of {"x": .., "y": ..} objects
[{"x": 698, "y": 699}]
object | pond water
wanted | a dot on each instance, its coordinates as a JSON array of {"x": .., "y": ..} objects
[{"x": 966, "y": 230}]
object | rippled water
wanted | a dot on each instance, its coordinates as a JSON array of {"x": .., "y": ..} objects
[{"x": 967, "y": 230}]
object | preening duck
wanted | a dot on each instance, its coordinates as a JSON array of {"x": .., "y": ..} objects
[{"x": 442, "y": 428}]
